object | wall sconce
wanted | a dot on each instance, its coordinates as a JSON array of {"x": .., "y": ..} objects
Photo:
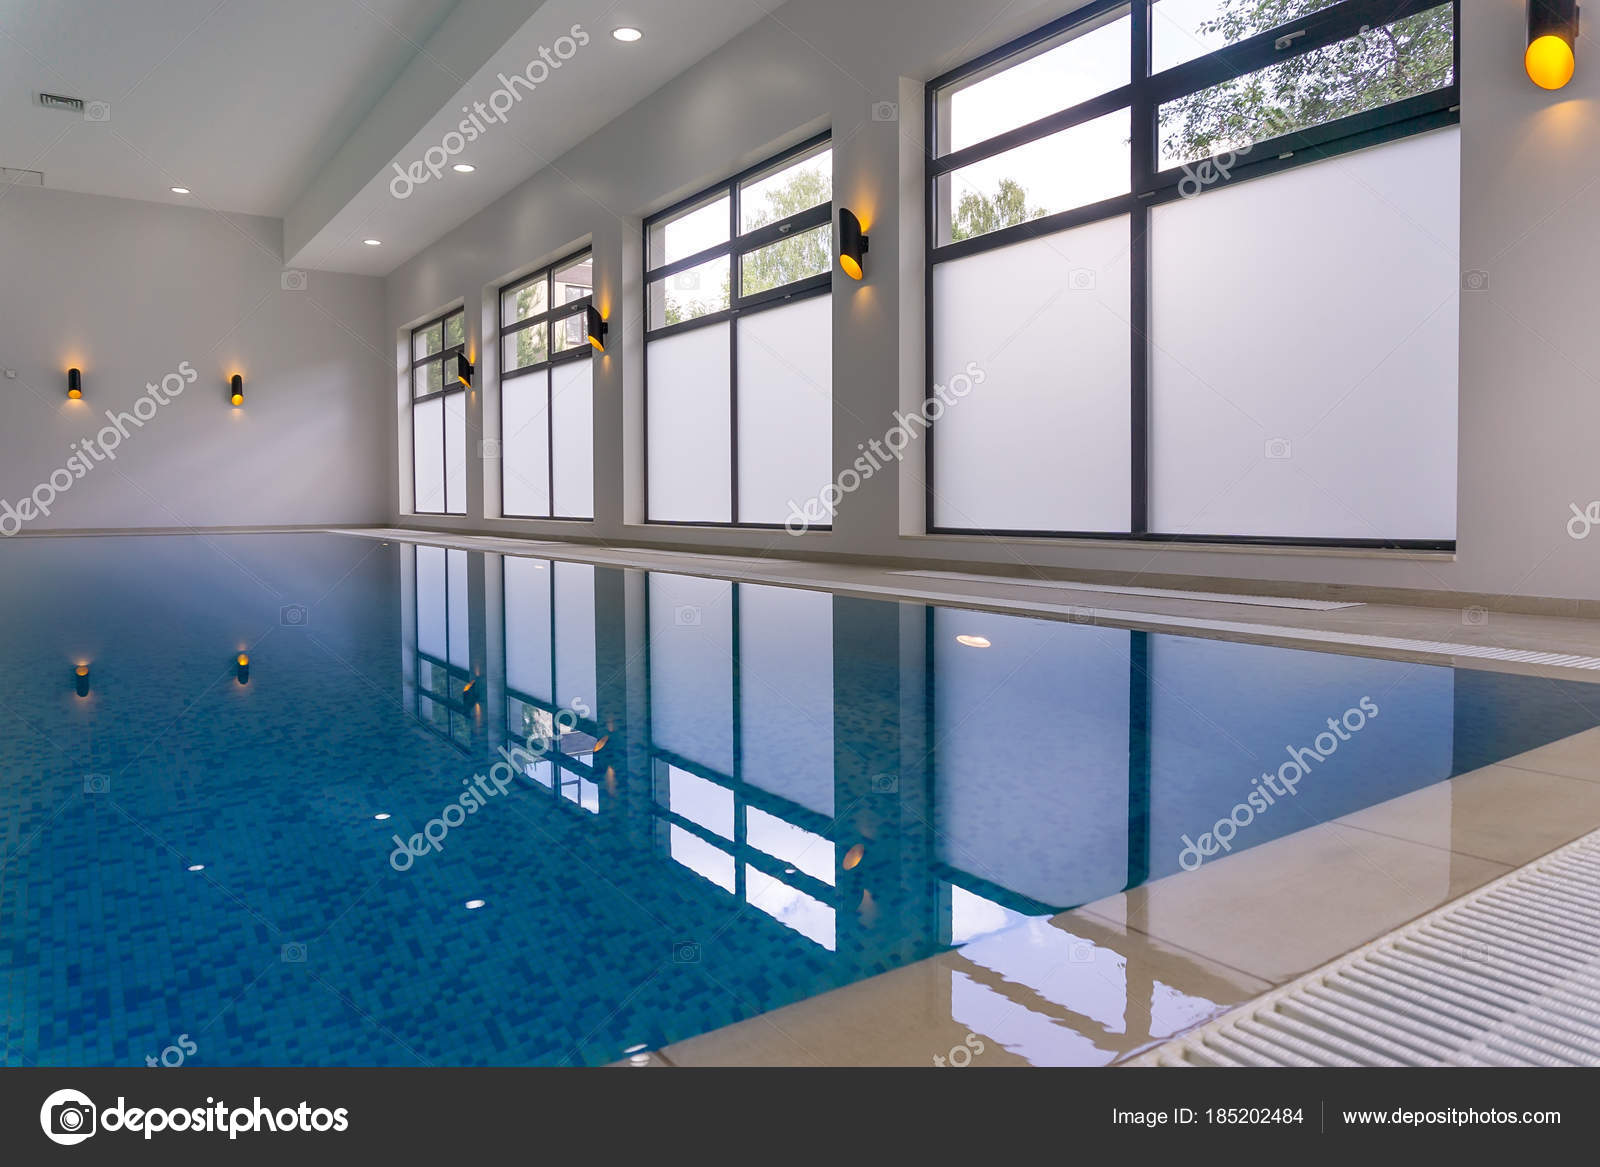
[
  {"x": 236, "y": 390},
  {"x": 597, "y": 328},
  {"x": 852, "y": 243},
  {"x": 81, "y": 680},
  {"x": 1552, "y": 31},
  {"x": 464, "y": 371},
  {"x": 241, "y": 668},
  {"x": 74, "y": 384}
]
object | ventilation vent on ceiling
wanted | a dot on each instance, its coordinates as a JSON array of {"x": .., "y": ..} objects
[
  {"x": 11, "y": 177},
  {"x": 56, "y": 101}
]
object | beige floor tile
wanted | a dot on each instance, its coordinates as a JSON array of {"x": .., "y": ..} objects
[
  {"x": 1575, "y": 757},
  {"x": 1508, "y": 815},
  {"x": 1283, "y": 908},
  {"x": 1076, "y": 990}
]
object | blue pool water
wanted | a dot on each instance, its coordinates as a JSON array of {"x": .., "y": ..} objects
[{"x": 765, "y": 792}]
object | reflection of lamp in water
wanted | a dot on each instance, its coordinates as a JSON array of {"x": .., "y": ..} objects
[
  {"x": 241, "y": 668},
  {"x": 81, "y": 680},
  {"x": 852, "y": 857},
  {"x": 973, "y": 641}
]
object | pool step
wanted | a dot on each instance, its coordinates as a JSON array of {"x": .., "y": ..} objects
[{"x": 1508, "y": 975}]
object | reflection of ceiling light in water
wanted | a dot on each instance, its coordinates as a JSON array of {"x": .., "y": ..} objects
[
  {"x": 474, "y": 905},
  {"x": 973, "y": 641},
  {"x": 852, "y": 857},
  {"x": 197, "y": 867},
  {"x": 634, "y": 1049},
  {"x": 382, "y": 816}
]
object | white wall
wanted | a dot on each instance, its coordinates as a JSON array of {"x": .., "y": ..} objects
[
  {"x": 128, "y": 291},
  {"x": 1529, "y": 356}
]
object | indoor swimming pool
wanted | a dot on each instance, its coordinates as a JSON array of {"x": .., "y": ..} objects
[{"x": 319, "y": 800}]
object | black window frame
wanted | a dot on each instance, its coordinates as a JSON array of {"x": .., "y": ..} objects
[
  {"x": 442, "y": 394},
  {"x": 1149, "y": 187},
  {"x": 735, "y": 247},
  {"x": 550, "y": 317}
]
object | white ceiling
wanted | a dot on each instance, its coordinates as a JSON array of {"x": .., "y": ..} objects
[{"x": 296, "y": 109}]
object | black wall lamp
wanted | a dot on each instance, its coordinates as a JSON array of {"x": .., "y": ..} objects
[
  {"x": 74, "y": 384},
  {"x": 236, "y": 390},
  {"x": 597, "y": 328},
  {"x": 1552, "y": 34},
  {"x": 464, "y": 371},
  {"x": 852, "y": 243}
]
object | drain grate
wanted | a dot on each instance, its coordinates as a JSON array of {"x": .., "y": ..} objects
[{"x": 1508, "y": 975}]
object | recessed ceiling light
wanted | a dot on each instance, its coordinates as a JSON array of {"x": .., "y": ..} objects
[
  {"x": 382, "y": 817},
  {"x": 373, "y": 242},
  {"x": 463, "y": 168},
  {"x": 639, "y": 1060},
  {"x": 474, "y": 905},
  {"x": 626, "y": 35},
  {"x": 180, "y": 190},
  {"x": 973, "y": 641}
]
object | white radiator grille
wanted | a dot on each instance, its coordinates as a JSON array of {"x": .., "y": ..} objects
[{"x": 1506, "y": 976}]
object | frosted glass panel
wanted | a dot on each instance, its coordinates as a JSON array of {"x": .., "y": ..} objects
[
  {"x": 460, "y": 609},
  {"x": 786, "y": 693},
  {"x": 691, "y": 668},
  {"x": 524, "y": 445},
  {"x": 1303, "y": 350},
  {"x": 1043, "y": 442},
  {"x": 785, "y": 408},
  {"x": 527, "y": 600},
  {"x": 427, "y": 456},
  {"x": 573, "y": 416},
  {"x": 1046, "y": 705},
  {"x": 432, "y": 615},
  {"x": 455, "y": 453},
  {"x": 575, "y": 633},
  {"x": 688, "y": 454}
]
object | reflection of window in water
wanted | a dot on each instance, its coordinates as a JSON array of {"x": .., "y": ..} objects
[{"x": 443, "y": 654}]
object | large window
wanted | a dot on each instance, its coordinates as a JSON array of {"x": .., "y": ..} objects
[
  {"x": 439, "y": 416},
  {"x": 739, "y": 346},
  {"x": 547, "y": 393},
  {"x": 1196, "y": 262}
]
